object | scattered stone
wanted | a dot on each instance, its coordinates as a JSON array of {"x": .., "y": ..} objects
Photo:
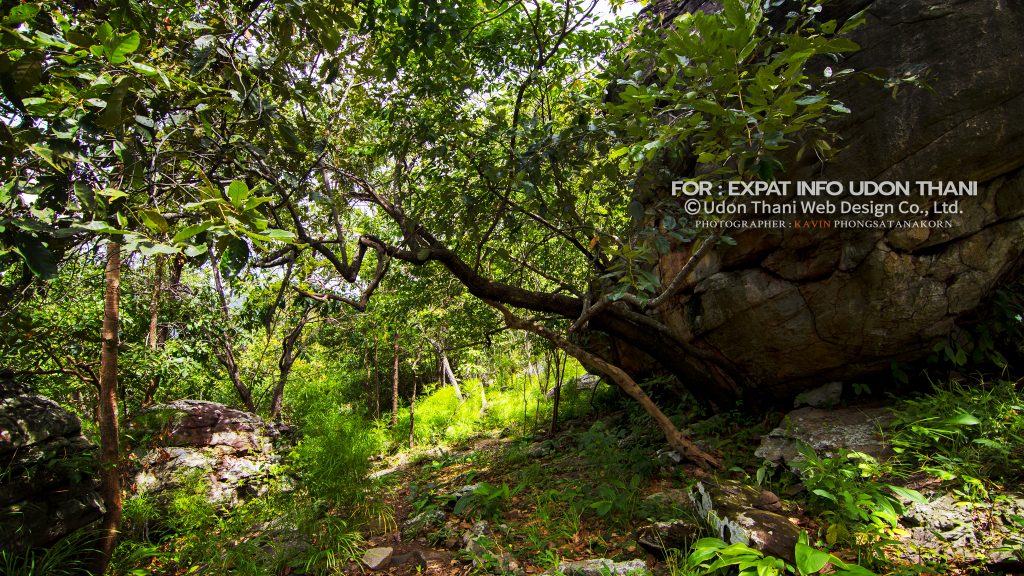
[
  {"x": 539, "y": 449},
  {"x": 234, "y": 452},
  {"x": 426, "y": 519},
  {"x": 602, "y": 567},
  {"x": 585, "y": 382},
  {"x": 672, "y": 497},
  {"x": 669, "y": 456},
  {"x": 46, "y": 491},
  {"x": 378, "y": 558},
  {"x": 415, "y": 557},
  {"x": 827, "y": 396},
  {"x": 826, "y": 431},
  {"x": 471, "y": 538},
  {"x": 733, "y": 510},
  {"x": 458, "y": 493},
  {"x": 580, "y": 384},
  {"x": 659, "y": 537}
]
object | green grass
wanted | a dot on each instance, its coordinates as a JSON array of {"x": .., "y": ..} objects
[{"x": 970, "y": 435}]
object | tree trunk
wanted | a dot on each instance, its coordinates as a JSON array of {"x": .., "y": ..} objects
[
  {"x": 676, "y": 439},
  {"x": 483, "y": 396},
  {"x": 289, "y": 353},
  {"x": 559, "y": 375},
  {"x": 226, "y": 354},
  {"x": 110, "y": 477},
  {"x": 394, "y": 387},
  {"x": 447, "y": 368},
  {"x": 153, "y": 338},
  {"x": 412, "y": 413},
  {"x": 376, "y": 380}
]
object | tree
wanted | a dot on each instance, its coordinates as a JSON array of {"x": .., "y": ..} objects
[{"x": 110, "y": 451}]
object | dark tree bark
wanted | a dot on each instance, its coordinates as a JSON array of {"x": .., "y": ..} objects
[
  {"x": 110, "y": 476},
  {"x": 394, "y": 387}
]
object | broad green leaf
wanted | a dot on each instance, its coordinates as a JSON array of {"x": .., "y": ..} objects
[
  {"x": 909, "y": 494},
  {"x": 190, "y": 231},
  {"x": 809, "y": 560},
  {"x": 22, "y": 13},
  {"x": 964, "y": 419},
  {"x": 238, "y": 192},
  {"x": 39, "y": 259},
  {"x": 155, "y": 221},
  {"x": 119, "y": 47}
]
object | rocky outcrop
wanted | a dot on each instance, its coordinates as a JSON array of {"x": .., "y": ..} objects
[
  {"x": 788, "y": 309},
  {"x": 826, "y": 432},
  {"x": 741, "y": 513},
  {"x": 603, "y": 567},
  {"x": 945, "y": 528},
  {"x": 46, "y": 487},
  {"x": 234, "y": 452}
]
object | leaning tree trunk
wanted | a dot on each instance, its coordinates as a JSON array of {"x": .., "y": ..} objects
[
  {"x": 676, "y": 439},
  {"x": 110, "y": 478}
]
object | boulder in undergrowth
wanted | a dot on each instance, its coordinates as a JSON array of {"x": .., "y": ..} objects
[
  {"x": 741, "y": 513},
  {"x": 234, "y": 452},
  {"x": 827, "y": 431},
  {"x": 46, "y": 487},
  {"x": 378, "y": 558}
]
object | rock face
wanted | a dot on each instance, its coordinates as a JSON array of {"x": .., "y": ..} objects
[
  {"x": 45, "y": 490},
  {"x": 233, "y": 451},
  {"x": 789, "y": 309},
  {"x": 826, "y": 431}
]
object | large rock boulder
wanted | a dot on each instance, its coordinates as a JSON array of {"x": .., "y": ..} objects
[
  {"x": 46, "y": 487},
  {"x": 826, "y": 432},
  {"x": 788, "y": 309},
  {"x": 234, "y": 452}
]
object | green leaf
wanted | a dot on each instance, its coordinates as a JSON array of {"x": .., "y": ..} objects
[
  {"x": 908, "y": 493},
  {"x": 40, "y": 261},
  {"x": 238, "y": 192},
  {"x": 964, "y": 419},
  {"x": 22, "y": 13},
  {"x": 807, "y": 100},
  {"x": 119, "y": 47},
  {"x": 190, "y": 231},
  {"x": 636, "y": 210},
  {"x": 810, "y": 560},
  {"x": 155, "y": 221},
  {"x": 46, "y": 154}
]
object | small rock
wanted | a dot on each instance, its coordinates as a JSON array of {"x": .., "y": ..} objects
[
  {"x": 669, "y": 456},
  {"x": 827, "y": 396},
  {"x": 660, "y": 537},
  {"x": 378, "y": 558},
  {"x": 602, "y": 567},
  {"x": 425, "y": 519}
]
